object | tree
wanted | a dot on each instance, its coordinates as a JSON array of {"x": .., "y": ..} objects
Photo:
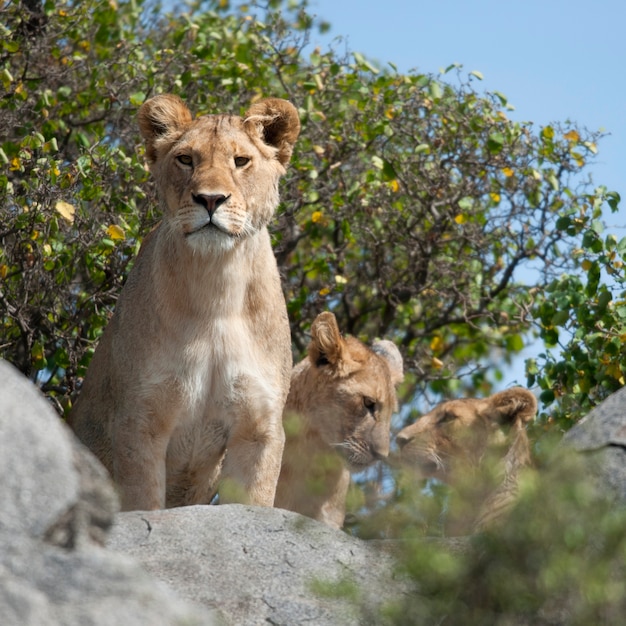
[
  {"x": 410, "y": 209},
  {"x": 581, "y": 319}
]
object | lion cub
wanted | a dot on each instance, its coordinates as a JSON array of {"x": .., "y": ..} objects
[
  {"x": 478, "y": 446},
  {"x": 188, "y": 382},
  {"x": 337, "y": 419}
]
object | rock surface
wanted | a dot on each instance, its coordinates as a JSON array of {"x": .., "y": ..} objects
[
  {"x": 258, "y": 565},
  {"x": 57, "y": 504},
  {"x": 601, "y": 436}
]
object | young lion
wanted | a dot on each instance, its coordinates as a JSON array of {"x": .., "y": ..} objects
[
  {"x": 337, "y": 419},
  {"x": 189, "y": 380},
  {"x": 462, "y": 442}
]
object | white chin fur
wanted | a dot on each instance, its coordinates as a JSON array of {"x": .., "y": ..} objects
[{"x": 210, "y": 241}]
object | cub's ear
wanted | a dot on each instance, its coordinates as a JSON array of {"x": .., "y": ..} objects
[
  {"x": 159, "y": 117},
  {"x": 326, "y": 347},
  {"x": 515, "y": 406},
  {"x": 389, "y": 351},
  {"x": 277, "y": 123}
]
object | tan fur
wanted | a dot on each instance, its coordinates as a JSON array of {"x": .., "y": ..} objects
[
  {"x": 459, "y": 438},
  {"x": 337, "y": 419},
  {"x": 189, "y": 380}
]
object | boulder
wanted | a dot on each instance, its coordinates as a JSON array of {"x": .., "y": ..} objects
[
  {"x": 229, "y": 564},
  {"x": 259, "y": 565},
  {"x": 601, "y": 437},
  {"x": 57, "y": 505}
]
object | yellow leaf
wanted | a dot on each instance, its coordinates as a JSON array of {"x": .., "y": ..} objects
[
  {"x": 615, "y": 371},
  {"x": 395, "y": 185},
  {"x": 16, "y": 164},
  {"x": 340, "y": 280},
  {"x": 572, "y": 136},
  {"x": 4, "y": 270},
  {"x": 115, "y": 232},
  {"x": 389, "y": 114},
  {"x": 508, "y": 172},
  {"x": 436, "y": 363},
  {"x": 324, "y": 291},
  {"x": 436, "y": 344},
  {"x": 316, "y": 217},
  {"x": 495, "y": 196},
  {"x": 460, "y": 218},
  {"x": 586, "y": 265},
  {"x": 65, "y": 210}
]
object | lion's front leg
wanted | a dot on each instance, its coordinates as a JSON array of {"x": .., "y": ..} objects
[
  {"x": 253, "y": 458},
  {"x": 139, "y": 451}
]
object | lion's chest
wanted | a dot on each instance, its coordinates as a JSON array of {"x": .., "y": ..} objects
[{"x": 210, "y": 366}]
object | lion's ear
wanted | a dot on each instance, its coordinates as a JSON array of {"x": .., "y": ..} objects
[
  {"x": 326, "y": 347},
  {"x": 389, "y": 351},
  {"x": 159, "y": 117},
  {"x": 277, "y": 123},
  {"x": 512, "y": 406}
]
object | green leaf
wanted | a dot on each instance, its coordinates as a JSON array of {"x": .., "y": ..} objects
[
  {"x": 495, "y": 143},
  {"x": 515, "y": 343},
  {"x": 613, "y": 198},
  {"x": 435, "y": 90},
  {"x": 503, "y": 99},
  {"x": 466, "y": 203},
  {"x": 137, "y": 98}
]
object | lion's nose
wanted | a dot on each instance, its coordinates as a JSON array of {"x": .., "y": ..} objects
[{"x": 210, "y": 201}]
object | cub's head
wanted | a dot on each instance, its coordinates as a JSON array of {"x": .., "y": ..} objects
[
  {"x": 456, "y": 435},
  {"x": 217, "y": 175},
  {"x": 346, "y": 392}
]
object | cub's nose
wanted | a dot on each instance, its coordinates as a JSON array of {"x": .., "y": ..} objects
[
  {"x": 402, "y": 440},
  {"x": 210, "y": 201},
  {"x": 380, "y": 454}
]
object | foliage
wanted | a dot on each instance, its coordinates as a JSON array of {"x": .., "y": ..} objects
[
  {"x": 581, "y": 318},
  {"x": 558, "y": 559},
  {"x": 410, "y": 209}
]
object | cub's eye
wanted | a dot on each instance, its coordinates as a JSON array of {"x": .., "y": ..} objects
[
  {"x": 241, "y": 161},
  {"x": 448, "y": 416},
  {"x": 185, "y": 159},
  {"x": 369, "y": 404}
]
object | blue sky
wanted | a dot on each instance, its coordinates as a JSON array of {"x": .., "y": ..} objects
[{"x": 555, "y": 60}]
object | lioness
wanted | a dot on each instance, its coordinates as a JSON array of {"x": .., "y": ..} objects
[
  {"x": 189, "y": 380},
  {"x": 458, "y": 439},
  {"x": 337, "y": 419}
]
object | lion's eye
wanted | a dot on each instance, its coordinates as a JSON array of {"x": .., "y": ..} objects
[
  {"x": 369, "y": 404},
  {"x": 185, "y": 159},
  {"x": 241, "y": 161}
]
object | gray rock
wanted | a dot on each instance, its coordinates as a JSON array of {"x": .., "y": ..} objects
[
  {"x": 258, "y": 565},
  {"x": 57, "y": 504},
  {"x": 36, "y": 459},
  {"x": 601, "y": 436}
]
